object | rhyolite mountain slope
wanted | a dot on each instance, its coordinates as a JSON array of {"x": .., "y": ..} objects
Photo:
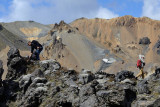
[
  {"x": 29, "y": 30},
  {"x": 9, "y": 39},
  {"x": 122, "y": 36}
]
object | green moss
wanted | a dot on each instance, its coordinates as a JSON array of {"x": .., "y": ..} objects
[
  {"x": 47, "y": 100},
  {"x": 13, "y": 104},
  {"x": 156, "y": 94}
]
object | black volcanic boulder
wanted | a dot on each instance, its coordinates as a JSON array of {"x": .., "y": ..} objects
[
  {"x": 122, "y": 75},
  {"x": 86, "y": 76},
  {"x": 16, "y": 64},
  {"x": 142, "y": 87},
  {"x": 157, "y": 73},
  {"x": 1, "y": 27},
  {"x": 157, "y": 44},
  {"x": 50, "y": 65},
  {"x": 1, "y": 69},
  {"x": 34, "y": 91},
  {"x": 13, "y": 52},
  {"x": 144, "y": 41}
]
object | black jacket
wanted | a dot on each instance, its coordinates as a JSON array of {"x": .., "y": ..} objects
[{"x": 34, "y": 45}]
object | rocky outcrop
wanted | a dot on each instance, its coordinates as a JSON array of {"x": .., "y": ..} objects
[
  {"x": 16, "y": 64},
  {"x": 148, "y": 92},
  {"x": 1, "y": 69},
  {"x": 66, "y": 88},
  {"x": 86, "y": 76},
  {"x": 50, "y": 85},
  {"x": 124, "y": 75},
  {"x": 127, "y": 20},
  {"x": 16, "y": 67},
  {"x": 62, "y": 26},
  {"x": 144, "y": 41},
  {"x": 34, "y": 91},
  {"x": 156, "y": 46},
  {"x": 1, "y": 27}
]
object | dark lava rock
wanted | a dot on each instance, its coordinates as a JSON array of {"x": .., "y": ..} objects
[
  {"x": 144, "y": 41},
  {"x": 13, "y": 52},
  {"x": 1, "y": 69},
  {"x": 25, "y": 82},
  {"x": 10, "y": 89},
  {"x": 124, "y": 75},
  {"x": 50, "y": 65},
  {"x": 157, "y": 71},
  {"x": 158, "y": 52},
  {"x": 1, "y": 27},
  {"x": 86, "y": 76},
  {"x": 37, "y": 73},
  {"x": 55, "y": 90},
  {"x": 16, "y": 64},
  {"x": 142, "y": 87},
  {"x": 33, "y": 97},
  {"x": 157, "y": 45}
]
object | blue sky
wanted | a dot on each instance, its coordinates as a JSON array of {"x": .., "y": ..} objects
[
  {"x": 124, "y": 7},
  {"x": 51, "y": 11}
]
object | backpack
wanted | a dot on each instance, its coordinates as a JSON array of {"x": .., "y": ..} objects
[{"x": 139, "y": 63}]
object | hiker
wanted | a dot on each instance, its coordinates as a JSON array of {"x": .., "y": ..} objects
[
  {"x": 140, "y": 65},
  {"x": 37, "y": 46}
]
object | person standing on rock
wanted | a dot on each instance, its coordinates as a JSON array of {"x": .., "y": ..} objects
[
  {"x": 35, "y": 45},
  {"x": 140, "y": 65}
]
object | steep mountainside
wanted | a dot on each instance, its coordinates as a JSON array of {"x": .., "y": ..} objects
[
  {"x": 27, "y": 29},
  {"x": 9, "y": 39},
  {"x": 122, "y": 36},
  {"x": 70, "y": 48}
]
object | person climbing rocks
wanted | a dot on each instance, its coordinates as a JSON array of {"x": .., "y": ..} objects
[
  {"x": 140, "y": 65},
  {"x": 35, "y": 45}
]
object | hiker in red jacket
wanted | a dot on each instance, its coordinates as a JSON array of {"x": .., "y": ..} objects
[{"x": 140, "y": 65}]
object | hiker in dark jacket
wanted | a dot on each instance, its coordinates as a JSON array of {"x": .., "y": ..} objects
[{"x": 37, "y": 46}]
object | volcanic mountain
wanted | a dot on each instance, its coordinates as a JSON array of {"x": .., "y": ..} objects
[
  {"x": 110, "y": 45},
  {"x": 89, "y": 62}
]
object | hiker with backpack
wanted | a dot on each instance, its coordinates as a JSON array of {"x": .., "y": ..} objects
[
  {"x": 35, "y": 45},
  {"x": 140, "y": 65}
]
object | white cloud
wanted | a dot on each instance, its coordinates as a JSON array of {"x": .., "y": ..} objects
[
  {"x": 51, "y": 11},
  {"x": 151, "y": 9},
  {"x": 105, "y": 13}
]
